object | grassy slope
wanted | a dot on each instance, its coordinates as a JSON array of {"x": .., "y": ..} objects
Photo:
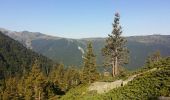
[{"x": 144, "y": 87}]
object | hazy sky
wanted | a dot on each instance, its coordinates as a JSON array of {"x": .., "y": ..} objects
[{"x": 85, "y": 18}]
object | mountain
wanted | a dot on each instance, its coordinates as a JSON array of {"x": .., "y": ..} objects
[
  {"x": 26, "y": 37},
  {"x": 69, "y": 51},
  {"x": 15, "y": 59}
]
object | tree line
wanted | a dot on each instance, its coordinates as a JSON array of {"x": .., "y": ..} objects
[{"x": 39, "y": 84}]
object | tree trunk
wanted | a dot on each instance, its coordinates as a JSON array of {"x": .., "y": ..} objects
[
  {"x": 36, "y": 92},
  {"x": 116, "y": 63},
  {"x": 39, "y": 95},
  {"x": 113, "y": 68},
  {"x": 116, "y": 66}
]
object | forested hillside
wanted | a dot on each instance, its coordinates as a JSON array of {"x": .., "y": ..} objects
[
  {"x": 85, "y": 50},
  {"x": 68, "y": 51},
  {"x": 16, "y": 59},
  {"x": 26, "y": 75}
]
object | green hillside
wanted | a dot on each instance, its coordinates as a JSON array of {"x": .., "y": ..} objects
[
  {"x": 148, "y": 86},
  {"x": 26, "y": 75},
  {"x": 15, "y": 58},
  {"x": 18, "y": 67},
  {"x": 62, "y": 50},
  {"x": 67, "y": 51}
]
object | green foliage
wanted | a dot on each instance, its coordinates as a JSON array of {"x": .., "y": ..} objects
[
  {"x": 35, "y": 83},
  {"x": 20, "y": 77},
  {"x": 28, "y": 75},
  {"x": 142, "y": 88},
  {"x": 76, "y": 93},
  {"x": 52, "y": 91},
  {"x": 10, "y": 92},
  {"x": 15, "y": 59},
  {"x": 107, "y": 79},
  {"x": 65, "y": 78},
  {"x": 123, "y": 74},
  {"x": 89, "y": 73},
  {"x": 148, "y": 86},
  {"x": 71, "y": 77},
  {"x": 115, "y": 51},
  {"x": 153, "y": 59},
  {"x": 57, "y": 74}
]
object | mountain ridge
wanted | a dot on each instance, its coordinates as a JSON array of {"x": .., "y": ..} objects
[{"x": 67, "y": 50}]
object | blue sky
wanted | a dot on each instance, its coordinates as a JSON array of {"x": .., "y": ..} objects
[{"x": 85, "y": 18}]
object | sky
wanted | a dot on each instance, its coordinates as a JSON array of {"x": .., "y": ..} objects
[{"x": 86, "y": 18}]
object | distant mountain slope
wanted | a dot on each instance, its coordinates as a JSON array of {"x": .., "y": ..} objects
[
  {"x": 26, "y": 37},
  {"x": 139, "y": 51},
  {"x": 63, "y": 50},
  {"x": 68, "y": 50},
  {"x": 15, "y": 58}
]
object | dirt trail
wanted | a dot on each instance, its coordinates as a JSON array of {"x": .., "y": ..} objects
[{"x": 103, "y": 87}]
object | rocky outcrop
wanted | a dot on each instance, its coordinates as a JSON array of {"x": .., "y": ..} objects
[
  {"x": 103, "y": 87},
  {"x": 163, "y": 98}
]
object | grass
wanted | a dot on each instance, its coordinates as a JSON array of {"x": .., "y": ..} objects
[{"x": 148, "y": 86}]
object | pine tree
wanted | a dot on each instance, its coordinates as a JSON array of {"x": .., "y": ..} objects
[
  {"x": 71, "y": 77},
  {"x": 35, "y": 83},
  {"x": 57, "y": 74},
  {"x": 153, "y": 58},
  {"x": 89, "y": 74},
  {"x": 11, "y": 91},
  {"x": 115, "y": 51},
  {"x": 156, "y": 56}
]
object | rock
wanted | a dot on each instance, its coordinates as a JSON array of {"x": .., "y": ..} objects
[
  {"x": 163, "y": 98},
  {"x": 106, "y": 74},
  {"x": 102, "y": 87}
]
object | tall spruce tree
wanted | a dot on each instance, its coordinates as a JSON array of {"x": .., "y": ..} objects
[
  {"x": 35, "y": 83},
  {"x": 115, "y": 51},
  {"x": 89, "y": 74}
]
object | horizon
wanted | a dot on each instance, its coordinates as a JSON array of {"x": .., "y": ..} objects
[
  {"x": 84, "y": 37},
  {"x": 83, "y": 19}
]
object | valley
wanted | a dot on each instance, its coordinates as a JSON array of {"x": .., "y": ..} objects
[
  {"x": 67, "y": 51},
  {"x": 58, "y": 63},
  {"x": 85, "y": 50}
]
